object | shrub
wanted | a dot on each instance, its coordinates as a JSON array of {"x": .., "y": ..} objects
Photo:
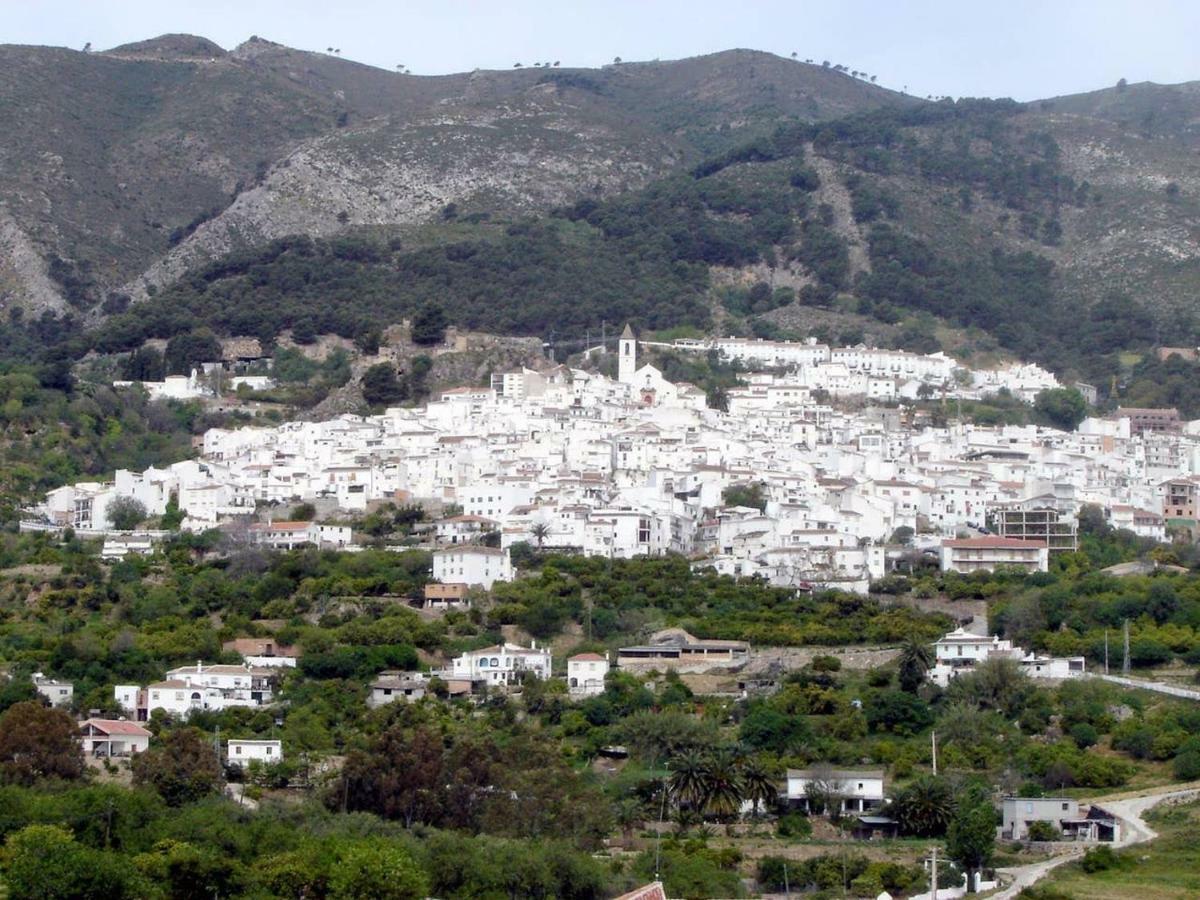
[
  {"x": 1044, "y": 831},
  {"x": 793, "y": 825},
  {"x": 1084, "y": 735},
  {"x": 1099, "y": 859},
  {"x": 1187, "y": 765}
]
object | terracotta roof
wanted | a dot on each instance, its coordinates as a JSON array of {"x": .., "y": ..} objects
[{"x": 587, "y": 657}]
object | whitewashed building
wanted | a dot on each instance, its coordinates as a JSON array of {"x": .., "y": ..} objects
[
  {"x": 586, "y": 673},
  {"x": 241, "y": 753},
  {"x": 502, "y": 664},
  {"x": 472, "y": 565}
]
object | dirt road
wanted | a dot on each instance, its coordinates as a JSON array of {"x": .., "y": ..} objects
[{"x": 1134, "y": 830}]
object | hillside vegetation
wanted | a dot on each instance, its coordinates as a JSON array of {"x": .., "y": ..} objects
[{"x": 909, "y": 177}]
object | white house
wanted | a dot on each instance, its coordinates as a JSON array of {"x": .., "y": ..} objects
[
  {"x": 57, "y": 693},
  {"x": 242, "y": 753},
  {"x": 113, "y": 737},
  {"x": 960, "y": 651},
  {"x": 502, "y": 663},
  {"x": 472, "y": 565},
  {"x": 972, "y": 554},
  {"x": 858, "y": 789},
  {"x": 1053, "y": 667},
  {"x": 195, "y": 687},
  {"x": 585, "y": 674},
  {"x": 290, "y": 535}
]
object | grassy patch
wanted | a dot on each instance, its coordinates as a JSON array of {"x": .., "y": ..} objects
[{"x": 1168, "y": 867}]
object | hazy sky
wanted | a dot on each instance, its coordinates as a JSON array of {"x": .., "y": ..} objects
[{"x": 1016, "y": 48}]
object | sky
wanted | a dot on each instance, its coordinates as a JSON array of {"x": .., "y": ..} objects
[{"x": 1025, "y": 49}]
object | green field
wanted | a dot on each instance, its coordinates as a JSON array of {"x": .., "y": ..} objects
[{"x": 1168, "y": 867}]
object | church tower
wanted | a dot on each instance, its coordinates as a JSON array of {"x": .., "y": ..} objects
[{"x": 627, "y": 360}]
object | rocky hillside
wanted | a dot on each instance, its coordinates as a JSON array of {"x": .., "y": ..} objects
[{"x": 158, "y": 155}]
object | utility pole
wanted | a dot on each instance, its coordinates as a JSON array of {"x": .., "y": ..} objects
[
  {"x": 933, "y": 885},
  {"x": 1105, "y": 651},
  {"x": 1125, "y": 662},
  {"x": 934, "y": 738},
  {"x": 787, "y": 891}
]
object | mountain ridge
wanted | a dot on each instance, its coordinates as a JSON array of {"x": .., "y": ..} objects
[{"x": 131, "y": 168}]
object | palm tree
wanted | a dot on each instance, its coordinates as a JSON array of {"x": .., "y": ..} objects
[
  {"x": 924, "y": 808},
  {"x": 915, "y": 660},
  {"x": 723, "y": 789},
  {"x": 689, "y": 782},
  {"x": 757, "y": 784},
  {"x": 540, "y": 532}
]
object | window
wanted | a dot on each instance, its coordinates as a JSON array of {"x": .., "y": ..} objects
[
  {"x": 237, "y": 751},
  {"x": 1064, "y": 806},
  {"x": 270, "y": 750}
]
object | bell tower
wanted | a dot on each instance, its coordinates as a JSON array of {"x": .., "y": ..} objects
[{"x": 627, "y": 359}]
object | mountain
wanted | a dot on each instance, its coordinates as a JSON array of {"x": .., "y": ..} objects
[
  {"x": 267, "y": 188},
  {"x": 158, "y": 155}
]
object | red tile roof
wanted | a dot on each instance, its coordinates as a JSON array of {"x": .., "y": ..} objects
[{"x": 116, "y": 726}]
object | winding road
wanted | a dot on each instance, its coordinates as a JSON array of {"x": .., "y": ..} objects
[{"x": 1134, "y": 830}]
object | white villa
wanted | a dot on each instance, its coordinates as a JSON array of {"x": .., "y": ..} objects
[
  {"x": 195, "y": 687},
  {"x": 502, "y": 664}
]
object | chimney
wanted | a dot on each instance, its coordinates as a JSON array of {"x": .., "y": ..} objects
[{"x": 199, "y": 667}]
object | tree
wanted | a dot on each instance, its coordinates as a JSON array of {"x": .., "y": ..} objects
[
  {"x": 37, "y": 743},
  {"x": 1063, "y": 408},
  {"x": 45, "y": 862},
  {"x": 398, "y": 777},
  {"x": 924, "y": 807},
  {"x": 540, "y": 531},
  {"x": 751, "y": 495},
  {"x": 187, "y": 351},
  {"x": 381, "y": 386},
  {"x": 915, "y": 661},
  {"x": 429, "y": 326},
  {"x": 722, "y": 785},
  {"x": 757, "y": 785},
  {"x": 125, "y": 513},
  {"x": 971, "y": 837},
  {"x": 898, "y": 712},
  {"x": 824, "y": 791},
  {"x": 689, "y": 783},
  {"x": 377, "y": 868},
  {"x": 184, "y": 768}
]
